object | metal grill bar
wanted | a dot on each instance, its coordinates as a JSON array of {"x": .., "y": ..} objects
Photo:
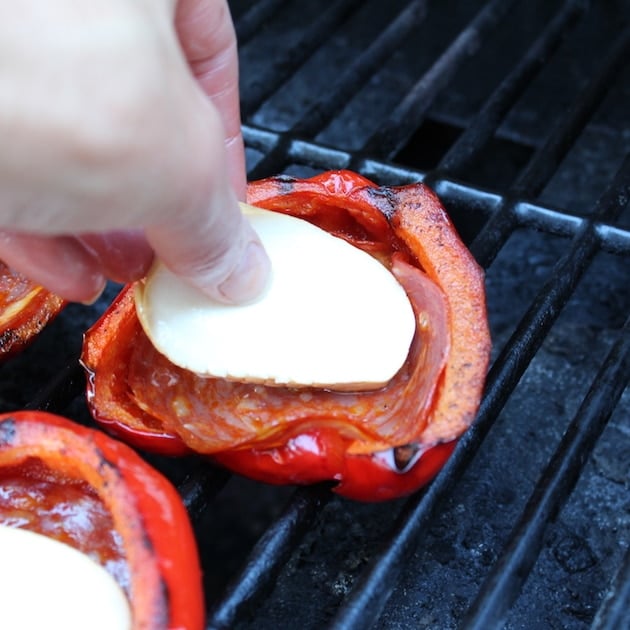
[
  {"x": 536, "y": 173},
  {"x": 556, "y": 483},
  {"x": 283, "y": 148},
  {"x": 359, "y": 71},
  {"x": 544, "y": 162},
  {"x": 554, "y": 222},
  {"x": 526, "y": 213},
  {"x": 343, "y": 88},
  {"x": 288, "y": 61},
  {"x": 372, "y": 590},
  {"x": 199, "y": 487},
  {"x": 393, "y": 134},
  {"x": 481, "y": 129},
  {"x": 251, "y": 21},
  {"x": 614, "y": 239},
  {"x": 268, "y": 557},
  {"x": 613, "y": 612}
]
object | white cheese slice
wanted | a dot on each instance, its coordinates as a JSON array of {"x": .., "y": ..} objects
[
  {"x": 332, "y": 316},
  {"x": 48, "y": 584}
]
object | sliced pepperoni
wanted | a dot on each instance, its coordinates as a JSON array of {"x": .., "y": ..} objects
[{"x": 210, "y": 415}]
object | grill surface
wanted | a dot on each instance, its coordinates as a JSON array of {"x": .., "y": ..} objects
[{"x": 517, "y": 114}]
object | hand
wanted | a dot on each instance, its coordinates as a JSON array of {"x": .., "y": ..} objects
[{"x": 121, "y": 140}]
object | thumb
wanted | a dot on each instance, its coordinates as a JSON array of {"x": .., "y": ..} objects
[
  {"x": 218, "y": 251},
  {"x": 207, "y": 241}
]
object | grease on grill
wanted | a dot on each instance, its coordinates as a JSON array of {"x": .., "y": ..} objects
[{"x": 405, "y": 455}]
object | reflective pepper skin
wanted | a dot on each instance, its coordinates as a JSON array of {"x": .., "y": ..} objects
[
  {"x": 25, "y": 308},
  {"x": 405, "y": 228},
  {"x": 151, "y": 531}
]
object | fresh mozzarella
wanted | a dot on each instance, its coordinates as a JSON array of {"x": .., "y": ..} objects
[
  {"x": 48, "y": 584},
  {"x": 332, "y": 316}
]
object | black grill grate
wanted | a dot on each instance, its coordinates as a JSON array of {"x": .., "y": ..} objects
[
  {"x": 516, "y": 113},
  {"x": 502, "y": 215}
]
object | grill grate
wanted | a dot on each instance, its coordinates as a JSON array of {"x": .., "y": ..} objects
[
  {"x": 516, "y": 114},
  {"x": 505, "y": 214},
  {"x": 509, "y": 574}
]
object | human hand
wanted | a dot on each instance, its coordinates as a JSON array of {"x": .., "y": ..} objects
[{"x": 121, "y": 141}]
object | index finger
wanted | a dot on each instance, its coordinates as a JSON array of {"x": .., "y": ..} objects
[{"x": 208, "y": 40}]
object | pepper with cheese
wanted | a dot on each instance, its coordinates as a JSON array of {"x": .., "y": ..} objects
[{"x": 376, "y": 443}]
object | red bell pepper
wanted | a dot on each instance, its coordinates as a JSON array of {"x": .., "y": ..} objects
[
  {"x": 375, "y": 445},
  {"x": 25, "y": 308},
  {"x": 55, "y": 474}
]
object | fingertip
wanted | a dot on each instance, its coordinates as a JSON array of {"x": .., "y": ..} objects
[
  {"x": 60, "y": 264},
  {"x": 249, "y": 278},
  {"x": 95, "y": 296},
  {"x": 218, "y": 252}
]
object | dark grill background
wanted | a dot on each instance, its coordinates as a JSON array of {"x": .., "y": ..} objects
[{"x": 517, "y": 113}]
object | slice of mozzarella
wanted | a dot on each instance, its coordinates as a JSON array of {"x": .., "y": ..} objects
[
  {"x": 332, "y": 315},
  {"x": 48, "y": 584}
]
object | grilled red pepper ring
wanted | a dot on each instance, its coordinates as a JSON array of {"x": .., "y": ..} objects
[
  {"x": 375, "y": 445},
  {"x": 55, "y": 473},
  {"x": 25, "y": 308}
]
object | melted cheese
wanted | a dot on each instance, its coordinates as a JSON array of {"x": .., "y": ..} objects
[
  {"x": 48, "y": 584},
  {"x": 332, "y": 315}
]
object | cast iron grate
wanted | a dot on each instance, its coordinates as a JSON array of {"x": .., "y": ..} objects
[{"x": 524, "y": 105}]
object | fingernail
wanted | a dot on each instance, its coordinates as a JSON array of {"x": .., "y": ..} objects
[
  {"x": 250, "y": 277},
  {"x": 96, "y": 295}
]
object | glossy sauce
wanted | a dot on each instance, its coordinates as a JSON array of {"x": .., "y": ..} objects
[{"x": 34, "y": 498}]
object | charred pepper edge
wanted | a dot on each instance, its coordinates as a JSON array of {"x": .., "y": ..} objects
[{"x": 24, "y": 326}]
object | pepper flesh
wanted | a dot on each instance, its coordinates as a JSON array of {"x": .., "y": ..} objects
[
  {"x": 25, "y": 308},
  {"x": 279, "y": 436},
  {"x": 138, "y": 529}
]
